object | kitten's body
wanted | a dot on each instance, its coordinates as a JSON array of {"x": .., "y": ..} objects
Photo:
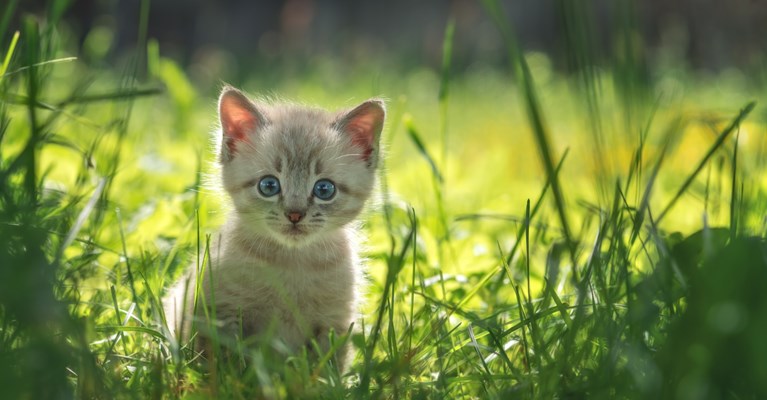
[{"x": 285, "y": 264}]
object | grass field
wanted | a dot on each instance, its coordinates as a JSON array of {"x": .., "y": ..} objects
[{"x": 536, "y": 235}]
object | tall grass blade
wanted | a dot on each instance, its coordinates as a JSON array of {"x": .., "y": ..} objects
[
  {"x": 29, "y": 154},
  {"x": 536, "y": 120},
  {"x": 734, "y": 191},
  {"x": 395, "y": 262},
  {"x": 577, "y": 22},
  {"x": 9, "y": 54},
  {"x": 416, "y": 139},
  {"x": 39, "y": 64},
  {"x": 639, "y": 216},
  {"x": 444, "y": 85},
  {"x": 714, "y": 147},
  {"x": 538, "y": 203},
  {"x": 9, "y": 9},
  {"x": 82, "y": 217}
]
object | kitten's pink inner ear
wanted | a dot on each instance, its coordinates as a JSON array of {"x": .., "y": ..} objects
[
  {"x": 238, "y": 118},
  {"x": 364, "y": 125}
]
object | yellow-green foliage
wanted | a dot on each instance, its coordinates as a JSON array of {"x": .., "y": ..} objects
[{"x": 450, "y": 313}]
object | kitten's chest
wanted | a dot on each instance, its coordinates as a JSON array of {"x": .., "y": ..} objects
[
  {"x": 312, "y": 284},
  {"x": 317, "y": 302},
  {"x": 319, "y": 291}
]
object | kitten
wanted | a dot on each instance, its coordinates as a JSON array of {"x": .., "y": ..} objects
[{"x": 286, "y": 261}]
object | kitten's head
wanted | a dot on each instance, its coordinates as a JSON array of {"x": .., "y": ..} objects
[{"x": 296, "y": 173}]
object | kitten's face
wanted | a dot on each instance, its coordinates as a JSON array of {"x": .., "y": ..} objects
[{"x": 295, "y": 173}]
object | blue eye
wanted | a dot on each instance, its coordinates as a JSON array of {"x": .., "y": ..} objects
[
  {"x": 324, "y": 189},
  {"x": 269, "y": 186}
]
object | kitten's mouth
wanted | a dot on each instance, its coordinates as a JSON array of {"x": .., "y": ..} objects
[{"x": 295, "y": 231}]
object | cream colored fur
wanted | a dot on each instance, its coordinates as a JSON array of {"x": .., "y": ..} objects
[{"x": 269, "y": 276}]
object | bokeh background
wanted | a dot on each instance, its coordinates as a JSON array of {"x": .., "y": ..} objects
[{"x": 231, "y": 40}]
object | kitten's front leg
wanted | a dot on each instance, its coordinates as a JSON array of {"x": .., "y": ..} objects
[
  {"x": 321, "y": 336},
  {"x": 231, "y": 323}
]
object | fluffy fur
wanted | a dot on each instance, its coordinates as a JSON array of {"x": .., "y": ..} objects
[{"x": 286, "y": 264}]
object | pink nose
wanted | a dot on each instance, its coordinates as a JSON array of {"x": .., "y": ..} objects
[{"x": 294, "y": 216}]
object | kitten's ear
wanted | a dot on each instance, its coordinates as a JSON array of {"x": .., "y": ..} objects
[
  {"x": 239, "y": 118},
  {"x": 364, "y": 124}
]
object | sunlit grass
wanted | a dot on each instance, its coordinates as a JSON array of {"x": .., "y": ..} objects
[{"x": 473, "y": 289}]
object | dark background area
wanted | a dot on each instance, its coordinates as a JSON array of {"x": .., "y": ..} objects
[{"x": 702, "y": 34}]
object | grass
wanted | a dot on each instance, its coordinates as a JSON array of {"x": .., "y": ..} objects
[{"x": 538, "y": 235}]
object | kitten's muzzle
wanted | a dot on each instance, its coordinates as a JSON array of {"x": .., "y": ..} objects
[{"x": 295, "y": 216}]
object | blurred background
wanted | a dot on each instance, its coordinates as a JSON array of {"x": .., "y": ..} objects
[
  {"x": 228, "y": 39},
  {"x": 601, "y": 67}
]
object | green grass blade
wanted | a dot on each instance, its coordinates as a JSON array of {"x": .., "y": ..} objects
[
  {"x": 537, "y": 123},
  {"x": 447, "y": 56},
  {"x": 29, "y": 154},
  {"x": 10, "y": 8},
  {"x": 82, "y": 217},
  {"x": 395, "y": 261},
  {"x": 39, "y": 64},
  {"x": 479, "y": 286},
  {"x": 734, "y": 191},
  {"x": 644, "y": 204},
  {"x": 9, "y": 54},
  {"x": 128, "y": 328},
  {"x": 416, "y": 139},
  {"x": 714, "y": 147}
]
